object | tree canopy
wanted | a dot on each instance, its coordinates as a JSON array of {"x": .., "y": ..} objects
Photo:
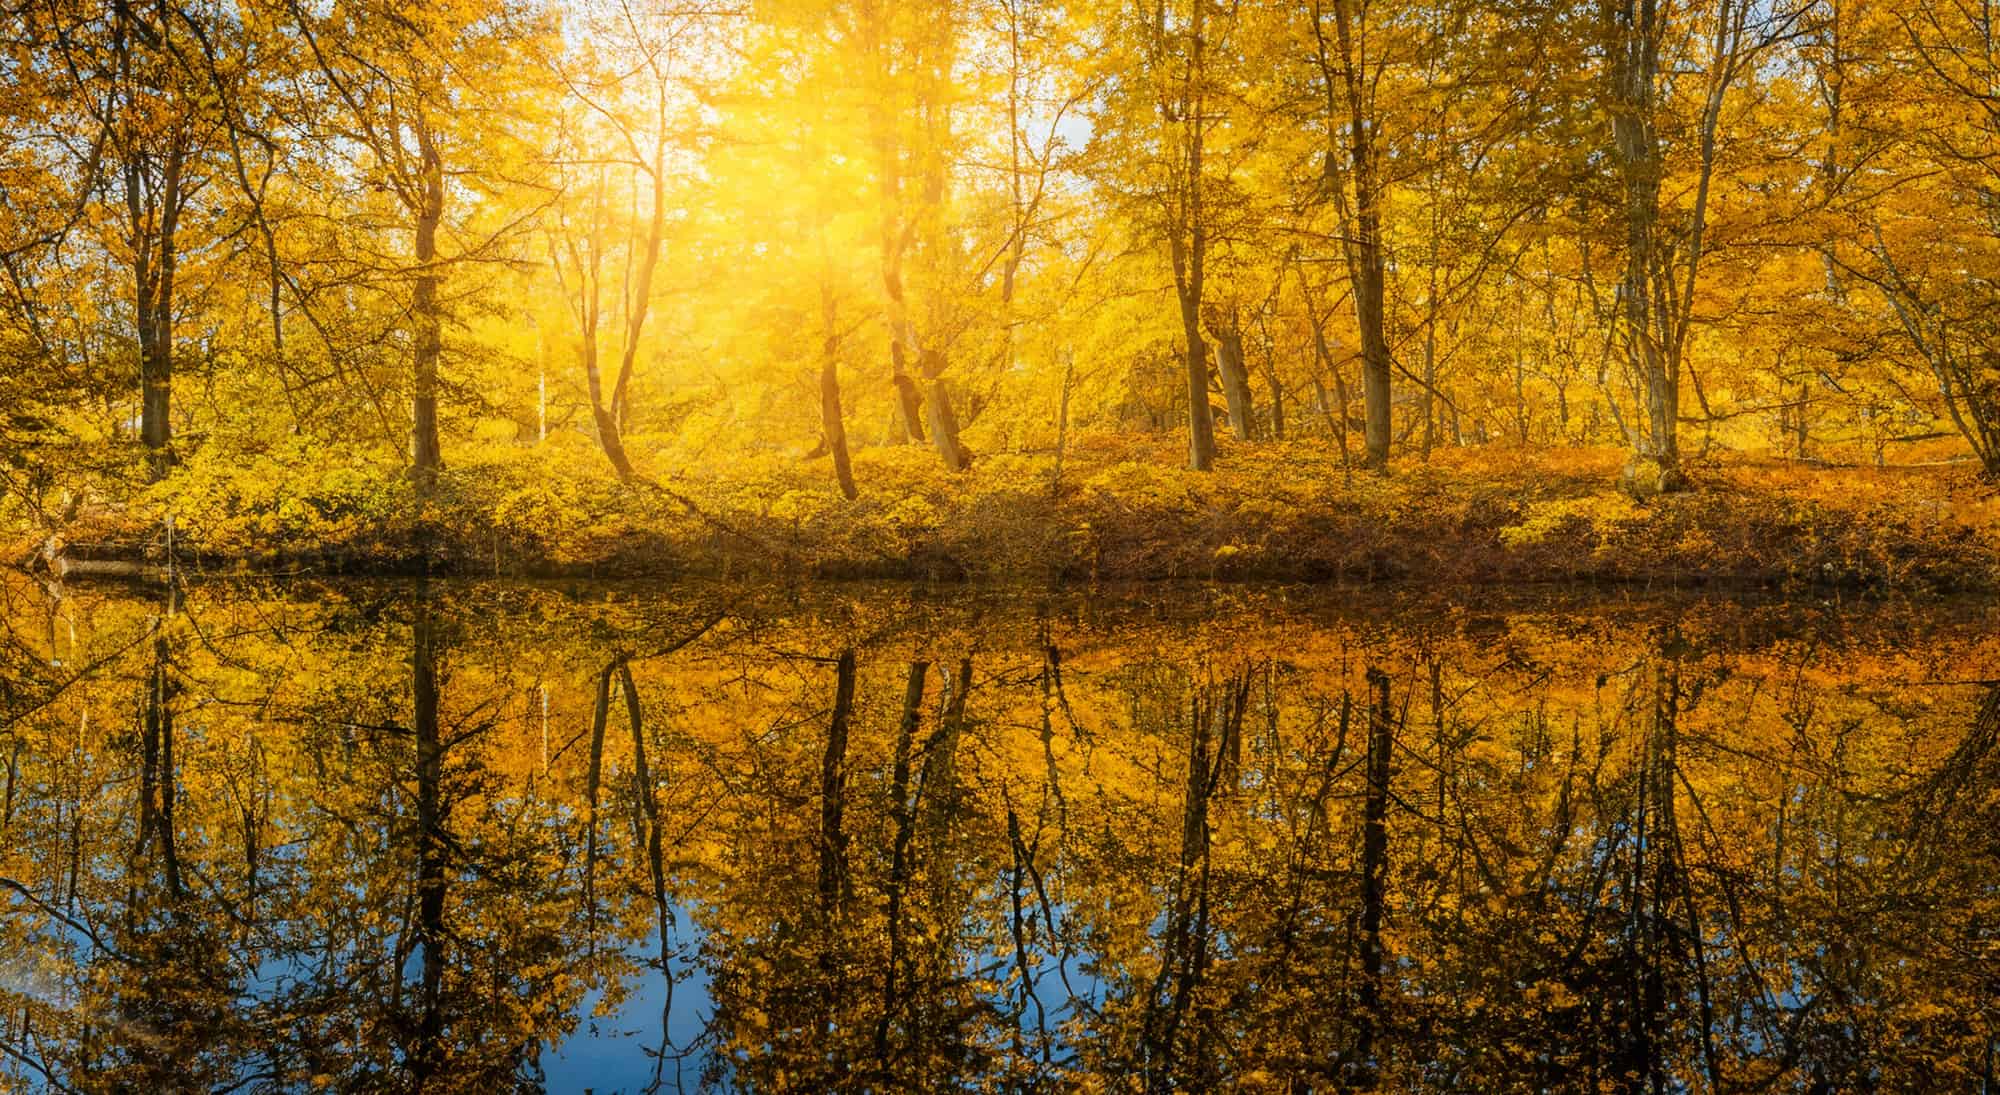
[{"x": 515, "y": 243}]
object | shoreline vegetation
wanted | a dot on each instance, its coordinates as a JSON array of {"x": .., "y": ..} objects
[{"x": 1111, "y": 512}]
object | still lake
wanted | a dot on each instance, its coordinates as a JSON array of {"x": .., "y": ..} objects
[{"x": 480, "y": 837}]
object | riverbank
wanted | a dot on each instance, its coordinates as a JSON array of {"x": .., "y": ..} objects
[{"x": 1115, "y": 511}]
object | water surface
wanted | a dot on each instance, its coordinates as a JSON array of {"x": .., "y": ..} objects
[{"x": 492, "y": 837}]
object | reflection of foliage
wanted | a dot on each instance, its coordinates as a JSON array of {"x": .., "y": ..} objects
[
  {"x": 1691, "y": 845},
  {"x": 167, "y": 1003}
]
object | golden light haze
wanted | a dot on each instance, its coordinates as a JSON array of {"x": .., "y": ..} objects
[{"x": 371, "y": 237}]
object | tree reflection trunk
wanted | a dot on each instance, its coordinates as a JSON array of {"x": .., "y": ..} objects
[
  {"x": 899, "y": 855},
  {"x": 600, "y": 716},
  {"x": 933, "y": 966},
  {"x": 431, "y": 842},
  {"x": 156, "y": 757},
  {"x": 1215, "y": 723},
  {"x": 1663, "y": 931},
  {"x": 939, "y": 785},
  {"x": 832, "y": 837},
  {"x": 1051, "y": 679},
  {"x": 1374, "y": 872},
  {"x": 649, "y": 806}
]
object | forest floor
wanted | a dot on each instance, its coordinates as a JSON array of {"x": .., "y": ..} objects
[{"x": 1120, "y": 509}]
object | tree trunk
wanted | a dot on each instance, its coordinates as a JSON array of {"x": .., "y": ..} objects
[
  {"x": 587, "y": 256},
  {"x": 642, "y": 289},
  {"x": 1201, "y": 420},
  {"x": 909, "y": 399},
  {"x": 1520, "y": 399},
  {"x": 1375, "y": 392},
  {"x": 1336, "y": 411},
  {"x": 895, "y": 241},
  {"x": 1325, "y": 401},
  {"x": 1633, "y": 70},
  {"x": 1188, "y": 245},
  {"x": 156, "y": 313},
  {"x": 608, "y": 437},
  {"x": 1277, "y": 401},
  {"x": 156, "y": 379},
  {"x": 1062, "y": 421},
  {"x": 427, "y": 333},
  {"x": 835, "y": 425},
  {"x": 152, "y": 208},
  {"x": 832, "y": 419},
  {"x": 1365, "y": 261},
  {"x": 1430, "y": 389},
  {"x": 1800, "y": 423},
  {"x": 1235, "y": 383},
  {"x": 938, "y": 412}
]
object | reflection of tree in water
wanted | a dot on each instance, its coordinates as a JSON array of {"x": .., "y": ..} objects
[
  {"x": 863, "y": 978},
  {"x": 450, "y": 971},
  {"x": 167, "y": 994},
  {"x": 372, "y": 916},
  {"x": 925, "y": 850}
]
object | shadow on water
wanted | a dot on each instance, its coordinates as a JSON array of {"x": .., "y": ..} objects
[{"x": 489, "y": 837}]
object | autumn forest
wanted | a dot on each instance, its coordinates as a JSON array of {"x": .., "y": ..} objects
[
  {"x": 1000, "y": 545},
  {"x": 862, "y": 285}
]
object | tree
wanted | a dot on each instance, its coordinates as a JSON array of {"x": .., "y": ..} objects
[
  {"x": 909, "y": 51},
  {"x": 633, "y": 95},
  {"x": 394, "y": 84},
  {"x": 131, "y": 123},
  {"x": 1353, "y": 176},
  {"x": 1931, "y": 232},
  {"x": 1657, "y": 128},
  {"x": 1168, "y": 112}
]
